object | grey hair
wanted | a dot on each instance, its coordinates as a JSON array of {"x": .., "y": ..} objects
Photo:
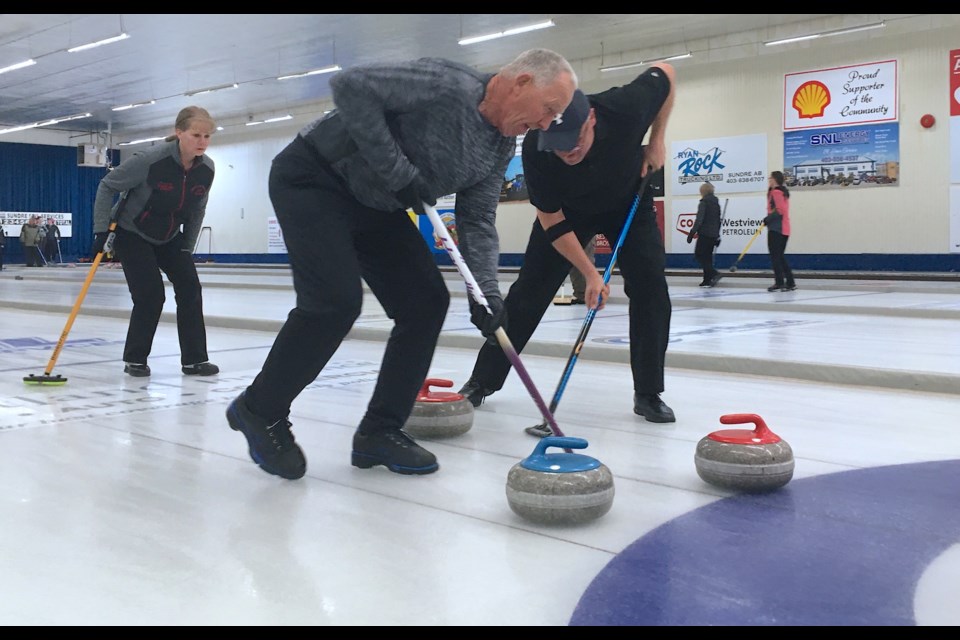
[{"x": 543, "y": 64}]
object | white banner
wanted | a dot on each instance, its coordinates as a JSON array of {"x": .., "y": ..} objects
[
  {"x": 13, "y": 221},
  {"x": 734, "y": 165},
  {"x": 741, "y": 220},
  {"x": 854, "y": 94},
  {"x": 275, "y": 243}
]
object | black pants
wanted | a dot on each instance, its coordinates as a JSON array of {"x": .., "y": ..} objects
[
  {"x": 641, "y": 262},
  {"x": 777, "y": 246},
  {"x": 333, "y": 241},
  {"x": 51, "y": 251},
  {"x": 142, "y": 263},
  {"x": 32, "y": 254},
  {"x": 703, "y": 251}
]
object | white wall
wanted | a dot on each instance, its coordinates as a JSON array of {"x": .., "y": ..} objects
[
  {"x": 736, "y": 88},
  {"x": 740, "y": 92}
]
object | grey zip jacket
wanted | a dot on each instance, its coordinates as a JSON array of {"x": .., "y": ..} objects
[
  {"x": 394, "y": 122},
  {"x": 158, "y": 195}
]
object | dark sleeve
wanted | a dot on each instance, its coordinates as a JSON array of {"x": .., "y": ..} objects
[
  {"x": 701, "y": 212},
  {"x": 475, "y": 214},
  {"x": 128, "y": 174},
  {"x": 541, "y": 196},
  {"x": 639, "y": 100}
]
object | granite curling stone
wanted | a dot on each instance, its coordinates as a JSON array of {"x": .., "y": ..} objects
[
  {"x": 751, "y": 461},
  {"x": 439, "y": 414},
  {"x": 560, "y": 488}
]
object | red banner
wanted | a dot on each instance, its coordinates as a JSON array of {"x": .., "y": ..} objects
[{"x": 955, "y": 82}]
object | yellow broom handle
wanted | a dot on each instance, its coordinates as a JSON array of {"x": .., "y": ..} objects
[
  {"x": 77, "y": 304},
  {"x": 747, "y": 248}
]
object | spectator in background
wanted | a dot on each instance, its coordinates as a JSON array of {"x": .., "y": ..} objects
[
  {"x": 51, "y": 243},
  {"x": 30, "y": 239},
  {"x": 778, "y": 232},
  {"x": 706, "y": 230}
]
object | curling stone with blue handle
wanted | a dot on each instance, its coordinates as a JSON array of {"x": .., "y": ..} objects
[
  {"x": 439, "y": 414},
  {"x": 560, "y": 488},
  {"x": 746, "y": 460}
]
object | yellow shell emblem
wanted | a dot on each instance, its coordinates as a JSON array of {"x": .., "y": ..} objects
[{"x": 810, "y": 99}]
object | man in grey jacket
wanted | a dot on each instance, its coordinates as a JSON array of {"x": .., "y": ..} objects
[{"x": 402, "y": 134}]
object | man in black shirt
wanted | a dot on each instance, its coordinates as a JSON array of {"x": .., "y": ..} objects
[{"x": 586, "y": 186}]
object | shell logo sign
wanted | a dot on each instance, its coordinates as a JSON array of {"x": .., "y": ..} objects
[
  {"x": 865, "y": 93},
  {"x": 810, "y": 99}
]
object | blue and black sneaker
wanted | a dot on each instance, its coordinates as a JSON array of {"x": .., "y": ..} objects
[
  {"x": 271, "y": 445},
  {"x": 394, "y": 449}
]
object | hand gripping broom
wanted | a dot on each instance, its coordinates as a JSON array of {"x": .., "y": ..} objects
[{"x": 540, "y": 430}]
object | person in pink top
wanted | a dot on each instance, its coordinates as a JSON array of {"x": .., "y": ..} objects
[{"x": 778, "y": 226}]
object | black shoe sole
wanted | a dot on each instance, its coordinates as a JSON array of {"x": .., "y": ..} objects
[
  {"x": 234, "y": 421},
  {"x": 367, "y": 461},
  {"x": 136, "y": 373},
  {"x": 657, "y": 419},
  {"x": 654, "y": 417}
]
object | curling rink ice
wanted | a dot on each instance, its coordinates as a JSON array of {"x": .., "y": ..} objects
[{"x": 130, "y": 501}]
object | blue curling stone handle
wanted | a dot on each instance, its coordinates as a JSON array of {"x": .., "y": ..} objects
[{"x": 545, "y": 462}]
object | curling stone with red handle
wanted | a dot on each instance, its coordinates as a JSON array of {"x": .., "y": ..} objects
[
  {"x": 750, "y": 460},
  {"x": 439, "y": 414}
]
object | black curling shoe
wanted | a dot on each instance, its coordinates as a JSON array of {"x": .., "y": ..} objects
[{"x": 394, "y": 449}]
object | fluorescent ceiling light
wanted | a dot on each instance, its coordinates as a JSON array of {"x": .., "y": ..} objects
[
  {"x": 628, "y": 65},
  {"x": 44, "y": 123},
  {"x": 824, "y": 34},
  {"x": 232, "y": 85},
  {"x": 19, "y": 65},
  {"x": 126, "y": 144},
  {"x": 134, "y": 105},
  {"x": 68, "y": 118},
  {"x": 508, "y": 32},
  {"x": 277, "y": 119},
  {"x": 329, "y": 69},
  {"x": 98, "y": 43}
]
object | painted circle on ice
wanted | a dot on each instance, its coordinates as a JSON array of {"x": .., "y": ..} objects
[{"x": 850, "y": 548}]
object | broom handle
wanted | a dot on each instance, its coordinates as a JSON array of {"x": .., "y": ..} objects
[
  {"x": 474, "y": 290},
  {"x": 107, "y": 246},
  {"x": 747, "y": 248}
]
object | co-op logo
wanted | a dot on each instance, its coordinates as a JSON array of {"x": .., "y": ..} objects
[{"x": 685, "y": 222}]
